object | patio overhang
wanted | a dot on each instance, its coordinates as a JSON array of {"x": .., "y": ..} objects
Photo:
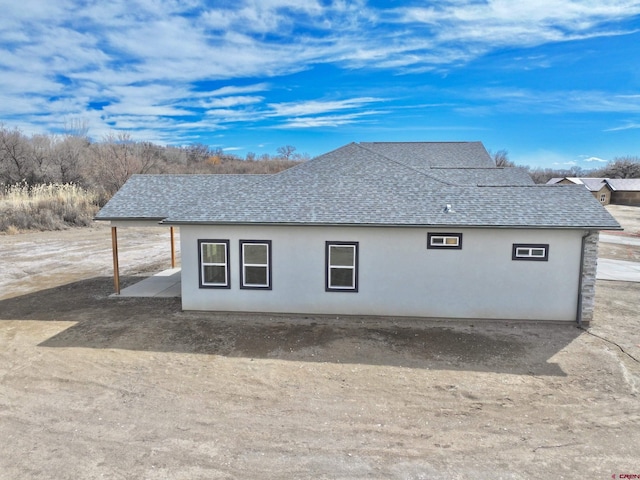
[{"x": 115, "y": 224}]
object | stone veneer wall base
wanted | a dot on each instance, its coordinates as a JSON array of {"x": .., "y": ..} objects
[{"x": 589, "y": 267}]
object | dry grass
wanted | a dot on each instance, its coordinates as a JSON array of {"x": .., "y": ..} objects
[{"x": 45, "y": 207}]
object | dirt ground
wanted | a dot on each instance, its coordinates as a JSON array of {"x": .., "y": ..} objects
[{"x": 129, "y": 388}]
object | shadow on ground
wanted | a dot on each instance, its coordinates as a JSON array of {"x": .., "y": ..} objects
[{"x": 159, "y": 325}]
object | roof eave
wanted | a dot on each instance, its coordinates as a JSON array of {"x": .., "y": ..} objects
[
  {"x": 393, "y": 225},
  {"x": 129, "y": 219}
]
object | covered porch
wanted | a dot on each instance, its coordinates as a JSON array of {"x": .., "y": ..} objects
[{"x": 164, "y": 284}]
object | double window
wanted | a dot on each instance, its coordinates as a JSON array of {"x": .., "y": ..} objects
[
  {"x": 444, "y": 240},
  {"x": 341, "y": 260},
  {"x": 214, "y": 263},
  {"x": 255, "y": 264},
  {"x": 530, "y": 251}
]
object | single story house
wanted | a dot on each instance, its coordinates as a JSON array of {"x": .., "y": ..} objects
[
  {"x": 428, "y": 229},
  {"x": 597, "y": 186},
  {"x": 618, "y": 191},
  {"x": 624, "y": 191}
]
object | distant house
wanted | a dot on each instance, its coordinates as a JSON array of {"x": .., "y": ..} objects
[
  {"x": 619, "y": 191},
  {"x": 392, "y": 229},
  {"x": 625, "y": 191},
  {"x": 597, "y": 186}
]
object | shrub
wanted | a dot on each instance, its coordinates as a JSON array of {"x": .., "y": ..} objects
[{"x": 45, "y": 207}]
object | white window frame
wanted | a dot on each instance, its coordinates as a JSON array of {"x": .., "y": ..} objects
[
  {"x": 225, "y": 264},
  {"x": 354, "y": 267},
  {"x": 603, "y": 197},
  {"x": 527, "y": 251},
  {"x": 441, "y": 240},
  {"x": 244, "y": 265}
]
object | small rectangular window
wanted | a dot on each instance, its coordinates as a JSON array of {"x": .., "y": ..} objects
[
  {"x": 341, "y": 266},
  {"x": 444, "y": 240},
  {"x": 214, "y": 263},
  {"x": 603, "y": 197},
  {"x": 528, "y": 251},
  {"x": 255, "y": 264}
]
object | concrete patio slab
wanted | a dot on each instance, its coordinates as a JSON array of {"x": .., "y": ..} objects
[
  {"x": 164, "y": 284},
  {"x": 620, "y": 239},
  {"x": 609, "y": 269}
]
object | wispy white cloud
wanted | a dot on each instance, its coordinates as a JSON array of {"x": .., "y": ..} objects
[
  {"x": 237, "y": 90},
  {"x": 570, "y": 163},
  {"x": 504, "y": 22},
  {"x": 314, "y": 106},
  {"x": 323, "y": 121},
  {"x": 554, "y": 101},
  {"x": 233, "y": 101},
  {"x": 118, "y": 61},
  {"x": 627, "y": 126},
  {"x": 593, "y": 159},
  {"x": 317, "y": 114}
]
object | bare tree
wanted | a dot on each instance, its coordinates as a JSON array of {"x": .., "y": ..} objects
[
  {"x": 78, "y": 127},
  {"x": 620, "y": 167},
  {"x": 118, "y": 157},
  {"x": 286, "y": 152},
  {"x": 501, "y": 159},
  {"x": 68, "y": 157},
  {"x": 15, "y": 161},
  {"x": 198, "y": 152},
  {"x": 105, "y": 165}
]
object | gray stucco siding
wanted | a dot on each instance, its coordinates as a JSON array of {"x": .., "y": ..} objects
[{"x": 398, "y": 275}]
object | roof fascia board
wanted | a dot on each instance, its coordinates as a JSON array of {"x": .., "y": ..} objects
[{"x": 379, "y": 225}]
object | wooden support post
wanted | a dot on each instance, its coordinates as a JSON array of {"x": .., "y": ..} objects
[
  {"x": 173, "y": 249},
  {"x": 116, "y": 268}
]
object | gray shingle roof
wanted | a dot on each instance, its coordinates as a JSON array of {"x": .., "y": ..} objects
[
  {"x": 358, "y": 185},
  {"x": 594, "y": 184},
  {"x": 154, "y": 197},
  {"x": 422, "y": 155},
  {"x": 624, "y": 184},
  {"x": 483, "y": 176}
]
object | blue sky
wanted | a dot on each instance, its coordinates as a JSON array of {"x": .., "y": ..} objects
[{"x": 556, "y": 83}]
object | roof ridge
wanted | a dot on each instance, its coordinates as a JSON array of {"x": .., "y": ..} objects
[
  {"x": 446, "y": 141},
  {"x": 410, "y": 167},
  {"x": 440, "y": 167}
]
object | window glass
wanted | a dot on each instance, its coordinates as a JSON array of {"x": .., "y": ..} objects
[
  {"x": 214, "y": 253},
  {"x": 255, "y": 264},
  {"x": 255, "y": 253},
  {"x": 342, "y": 255},
  {"x": 342, "y": 277},
  {"x": 255, "y": 275},
  {"x": 215, "y": 274},
  {"x": 444, "y": 240},
  {"x": 341, "y": 266},
  {"x": 539, "y": 252},
  {"x": 214, "y": 263}
]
